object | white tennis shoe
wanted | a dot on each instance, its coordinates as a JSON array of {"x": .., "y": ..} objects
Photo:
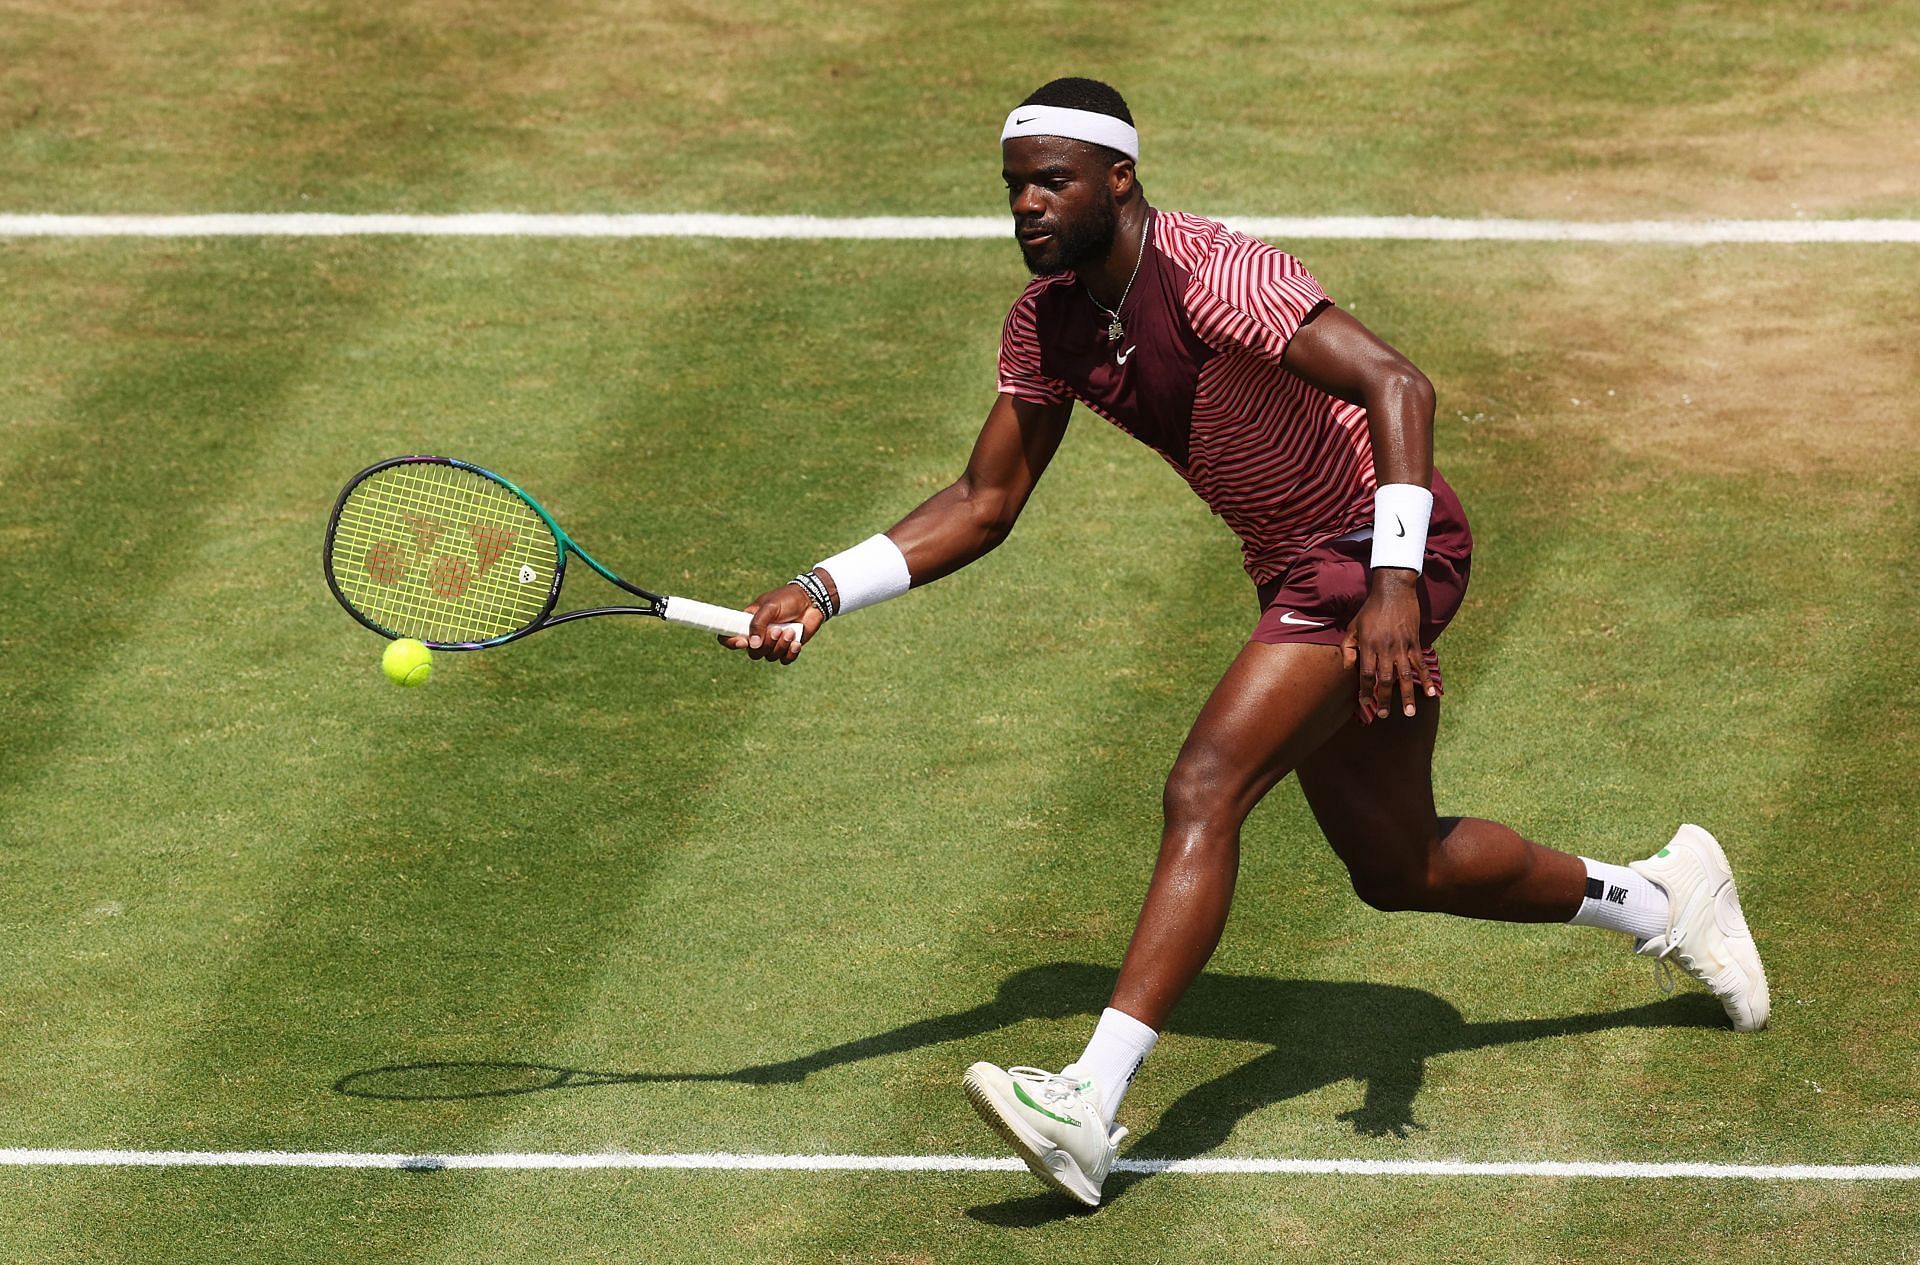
[
  {"x": 1053, "y": 1121},
  {"x": 1707, "y": 934}
]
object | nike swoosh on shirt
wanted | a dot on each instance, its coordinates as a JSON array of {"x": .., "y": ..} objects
[
  {"x": 1286, "y": 617},
  {"x": 1120, "y": 357}
]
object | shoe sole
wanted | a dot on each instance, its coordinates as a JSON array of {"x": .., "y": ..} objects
[
  {"x": 1758, "y": 990},
  {"x": 1035, "y": 1151}
]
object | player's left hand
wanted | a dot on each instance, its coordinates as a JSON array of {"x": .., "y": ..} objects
[{"x": 1384, "y": 642}]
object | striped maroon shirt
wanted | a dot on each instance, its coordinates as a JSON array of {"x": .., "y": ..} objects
[{"x": 1198, "y": 378}]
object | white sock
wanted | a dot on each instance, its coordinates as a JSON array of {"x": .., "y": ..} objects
[
  {"x": 1618, "y": 899},
  {"x": 1120, "y": 1044}
]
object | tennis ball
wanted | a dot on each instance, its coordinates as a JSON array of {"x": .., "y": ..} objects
[{"x": 407, "y": 662}]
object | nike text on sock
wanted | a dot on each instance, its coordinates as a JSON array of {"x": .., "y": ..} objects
[
  {"x": 1120, "y": 1044},
  {"x": 1618, "y": 899}
]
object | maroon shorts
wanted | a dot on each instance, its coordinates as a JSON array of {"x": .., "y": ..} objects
[{"x": 1324, "y": 588}]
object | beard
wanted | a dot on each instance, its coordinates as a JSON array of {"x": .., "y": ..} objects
[{"x": 1073, "y": 244}]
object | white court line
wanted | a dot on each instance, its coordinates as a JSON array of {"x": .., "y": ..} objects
[
  {"x": 25, "y": 1157},
  {"x": 950, "y": 227}
]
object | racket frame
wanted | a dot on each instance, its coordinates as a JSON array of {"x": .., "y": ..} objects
[{"x": 656, "y": 602}]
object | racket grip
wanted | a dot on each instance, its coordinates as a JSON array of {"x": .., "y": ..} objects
[{"x": 723, "y": 620}]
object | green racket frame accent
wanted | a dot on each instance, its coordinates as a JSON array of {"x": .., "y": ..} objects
[{"x": 563, "y": 545}]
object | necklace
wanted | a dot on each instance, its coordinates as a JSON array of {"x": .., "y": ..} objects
[{"x": 1115, "y": 330}]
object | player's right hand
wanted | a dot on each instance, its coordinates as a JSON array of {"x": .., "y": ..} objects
[
  {"x": 1383, "y": 643},
  {"x": 787, "y": 604}
]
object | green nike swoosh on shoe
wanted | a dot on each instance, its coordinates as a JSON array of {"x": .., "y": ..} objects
[{"x": 1021, "y": 1094}]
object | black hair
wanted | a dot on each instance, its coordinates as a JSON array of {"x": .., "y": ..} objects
[
  {"x": 1082, "y": 94},
  {"x": 1090, "y": 95}
]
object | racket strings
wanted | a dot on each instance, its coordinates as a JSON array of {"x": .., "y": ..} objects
[{"x": 442, "y": 554}]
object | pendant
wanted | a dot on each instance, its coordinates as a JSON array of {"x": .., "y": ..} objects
[{"x": 1115, "y": 330}]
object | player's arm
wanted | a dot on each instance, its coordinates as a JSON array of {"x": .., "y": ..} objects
[
  {"x": 1345, "y": 359},
  {"x": 970, "y": 516},
  {"x": 963, "y": 521}
]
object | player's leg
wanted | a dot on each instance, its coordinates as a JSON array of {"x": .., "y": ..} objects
[
  {"x": 1370, "y": 788},
  {"x": 1273, "y": 706}
]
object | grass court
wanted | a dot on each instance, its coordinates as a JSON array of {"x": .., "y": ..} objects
[{"x": 613, "y": 890}]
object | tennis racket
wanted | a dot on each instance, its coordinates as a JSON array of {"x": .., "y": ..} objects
[{"x": 457, "y": 557}]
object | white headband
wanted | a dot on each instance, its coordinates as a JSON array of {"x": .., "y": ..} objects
[{"x": 1075, "y": 125}]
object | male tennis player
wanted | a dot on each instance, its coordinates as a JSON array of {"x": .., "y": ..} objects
[{"x": 1313, "y": 439}]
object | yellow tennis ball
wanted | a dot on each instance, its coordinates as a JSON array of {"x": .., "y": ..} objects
[{"x": 407, "y": 662}]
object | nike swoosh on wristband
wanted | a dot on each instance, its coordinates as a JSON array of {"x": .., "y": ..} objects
[
  {"x": 1402, "y": 526},
  {"x": 1286, "y": 617}
]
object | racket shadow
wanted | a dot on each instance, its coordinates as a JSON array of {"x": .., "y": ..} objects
[{"x": 454, "y": 1080}]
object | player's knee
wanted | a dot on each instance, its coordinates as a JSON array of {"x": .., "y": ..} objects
[{"x": 1196, "y": 794}]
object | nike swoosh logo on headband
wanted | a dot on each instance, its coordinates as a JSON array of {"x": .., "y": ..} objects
[{"x": 1027, "y": 120}]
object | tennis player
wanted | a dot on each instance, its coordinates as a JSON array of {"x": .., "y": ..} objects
[{"x": 1313, "y": 439}]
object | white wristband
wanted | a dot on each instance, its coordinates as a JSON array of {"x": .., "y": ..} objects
[
  {"x": 1400, "y": 515},
  {"x": 872, "y": 571}
]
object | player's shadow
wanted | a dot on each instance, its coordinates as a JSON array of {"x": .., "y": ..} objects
[{"x": 1319, "y": 1032}]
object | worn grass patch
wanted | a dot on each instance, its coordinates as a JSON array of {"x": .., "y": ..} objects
[{"x": 1780, "y": 362}]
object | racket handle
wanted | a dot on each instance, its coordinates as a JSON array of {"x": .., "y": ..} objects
[{"x": 723, "y": 620}]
